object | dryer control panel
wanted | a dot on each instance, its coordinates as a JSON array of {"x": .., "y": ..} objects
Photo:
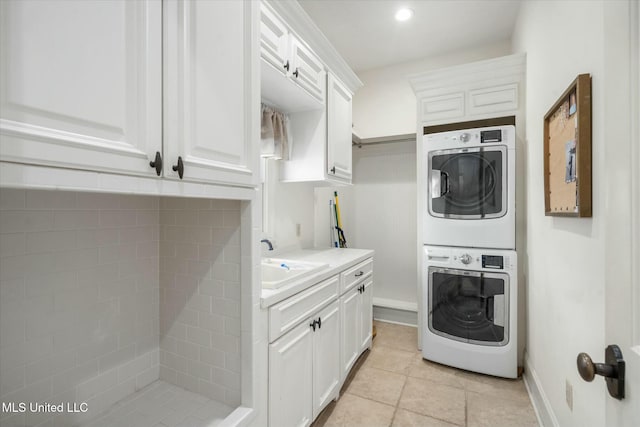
[{"x": 476, "y": 137}]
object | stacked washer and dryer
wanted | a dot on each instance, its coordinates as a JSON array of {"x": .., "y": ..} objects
[{"x": 469, "y": 261}]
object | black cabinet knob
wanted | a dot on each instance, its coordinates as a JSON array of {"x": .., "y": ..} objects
[
  {"x": 333, "y": 170},
  {"x": 319, "y": 323},
  {"x": 286, "y": 66},
  {"x": 157, "y": 163},
  {"x": 313, "y": 325},
  {"x": 296, "y": 73},
  {"x": 179, "y": 167}
]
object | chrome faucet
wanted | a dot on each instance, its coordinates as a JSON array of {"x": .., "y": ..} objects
[{"x": 268, "y": 243}]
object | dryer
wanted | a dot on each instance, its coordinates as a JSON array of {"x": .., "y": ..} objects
[
  {"x": 470, "y": 319},
  {"x": 470, "y": 188}
]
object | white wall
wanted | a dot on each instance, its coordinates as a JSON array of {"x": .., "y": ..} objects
[
  {"x": 200, "y": 296},
  {"x": 79, "y": 299},
  {"x": 565, "y": 256},
  {"x": 386, "y": 105},
  {"x": 379, "y": 212},
  {"x": 92, "y": 284},
  {"x": 384, "y": 194},
  {"x": 289, "y": 204}
]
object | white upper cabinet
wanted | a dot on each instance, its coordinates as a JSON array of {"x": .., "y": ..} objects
[
  {"x": 339, "y": 119},
  {"x": 105, "y": 86},
  {"x": 207, "y": 91},
  {"x": 307, "y": 70},
  {"x": 273, "y": 39},
  {"x": 81, "y": 84},
  {"x": 479, "y": 90},
  {"x": 293, "y": 77}
]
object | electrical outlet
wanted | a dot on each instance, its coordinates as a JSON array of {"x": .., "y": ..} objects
[
  {"x": 298, "y": 230},
  {"x": 569, "y": 394}
]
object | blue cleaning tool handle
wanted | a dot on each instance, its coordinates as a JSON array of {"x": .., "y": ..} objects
[{"x": 283, "y": 265}]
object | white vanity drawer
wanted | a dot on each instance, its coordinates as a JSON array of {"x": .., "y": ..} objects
[
  {"x": 355, "y": 275},
  {"x": 287, "y": 314}
]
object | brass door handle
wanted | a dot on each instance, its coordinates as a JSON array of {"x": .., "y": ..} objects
[
  {"x": 588, "y": 370},
  {"x": 612, "y": 370}
]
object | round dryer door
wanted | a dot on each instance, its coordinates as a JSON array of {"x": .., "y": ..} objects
[
  {"x": 469, "y": 183},
  {"x": 469, "y": 306}
]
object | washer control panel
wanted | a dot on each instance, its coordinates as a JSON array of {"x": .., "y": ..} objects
[{"x": 471, "y": 259}]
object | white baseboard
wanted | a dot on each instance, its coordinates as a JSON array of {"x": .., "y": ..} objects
[
  {"x": 393, "y": 315},
  {"x": 395, "y": 304},
  {"x": 541, "y": 405}
]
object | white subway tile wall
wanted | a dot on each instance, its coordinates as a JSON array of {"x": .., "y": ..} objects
[
  {"x": 79, "y": 300},
  {"x": 200, "y": 296}
]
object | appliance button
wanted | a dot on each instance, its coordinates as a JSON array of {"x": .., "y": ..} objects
[{"x": 466, "y": 258}]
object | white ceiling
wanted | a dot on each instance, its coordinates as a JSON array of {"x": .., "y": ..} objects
[{"x": 367, "y": 35}]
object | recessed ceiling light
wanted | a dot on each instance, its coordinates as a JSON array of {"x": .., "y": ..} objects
[{"x": 404, "y": 14}]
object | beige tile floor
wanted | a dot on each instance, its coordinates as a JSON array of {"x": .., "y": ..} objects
[{"x": 392, "y": 386}]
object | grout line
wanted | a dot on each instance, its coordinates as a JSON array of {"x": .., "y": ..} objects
[
  {"x": 466, "y": 408},
  {"x": 395, "y": 410}
]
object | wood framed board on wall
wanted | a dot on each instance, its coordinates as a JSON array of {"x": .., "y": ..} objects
[{"x": 567, "y": 152}]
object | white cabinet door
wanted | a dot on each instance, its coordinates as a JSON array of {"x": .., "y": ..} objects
[
  {"x": 366, "y": 313},
  {"x": 290, "y": 378},
  {"x": 443, "y": 107},
  {"x": 207, "y": 90},
  {"x": 339, "y": 119},
  {"x": 326, "y": 357},
  {"x": 273, "y": 40},
  {"x": 307, "y": 70},
  {"x": 493, "y": 99},
  {"x": 350, "y": 331},
  {"x": 81, "y": 84}
]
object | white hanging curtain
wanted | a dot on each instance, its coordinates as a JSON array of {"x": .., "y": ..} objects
[{"x": 274, "y": 134}]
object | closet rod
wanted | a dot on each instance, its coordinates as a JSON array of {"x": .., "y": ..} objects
[{"x": 356, "y": 141}]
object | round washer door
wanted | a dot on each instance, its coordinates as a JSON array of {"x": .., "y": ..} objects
[{"x": 469, "y": 306}]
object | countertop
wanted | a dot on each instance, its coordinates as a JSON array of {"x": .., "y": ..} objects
[{"x": 337, "y": 259}]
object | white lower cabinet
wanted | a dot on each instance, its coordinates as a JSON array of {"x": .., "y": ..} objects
[
  {"x": 326, "y": 358},
  {"x": 357, "y": 309},
  {"x": 317, "y": 335},
  {"x": 291, "y": 378},
  {"x": 351, "y": 319},
  {"x": 366, "y": 315},
  {"x": 304, "y": 369}
]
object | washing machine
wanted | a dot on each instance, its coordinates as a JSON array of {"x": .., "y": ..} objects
[
  {"x": 470, "y": 316},
  {"x": 470, "y": 188}
]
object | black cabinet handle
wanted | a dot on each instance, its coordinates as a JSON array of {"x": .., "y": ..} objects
[
  {"x": 157, "y": 163},
  {"x": 360, "y": 273},
  {"x": 286, "y": 66},
  {"x": 295, "y": 73},
  {"x": 313, "y": 325},
  {"x": 319, "y": 323},
  {"x": 333, "y": 170},
  {"x": 179, "y": 167}
]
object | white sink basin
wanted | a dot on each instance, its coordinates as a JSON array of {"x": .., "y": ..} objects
[{"x": 277, "y": 272}]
